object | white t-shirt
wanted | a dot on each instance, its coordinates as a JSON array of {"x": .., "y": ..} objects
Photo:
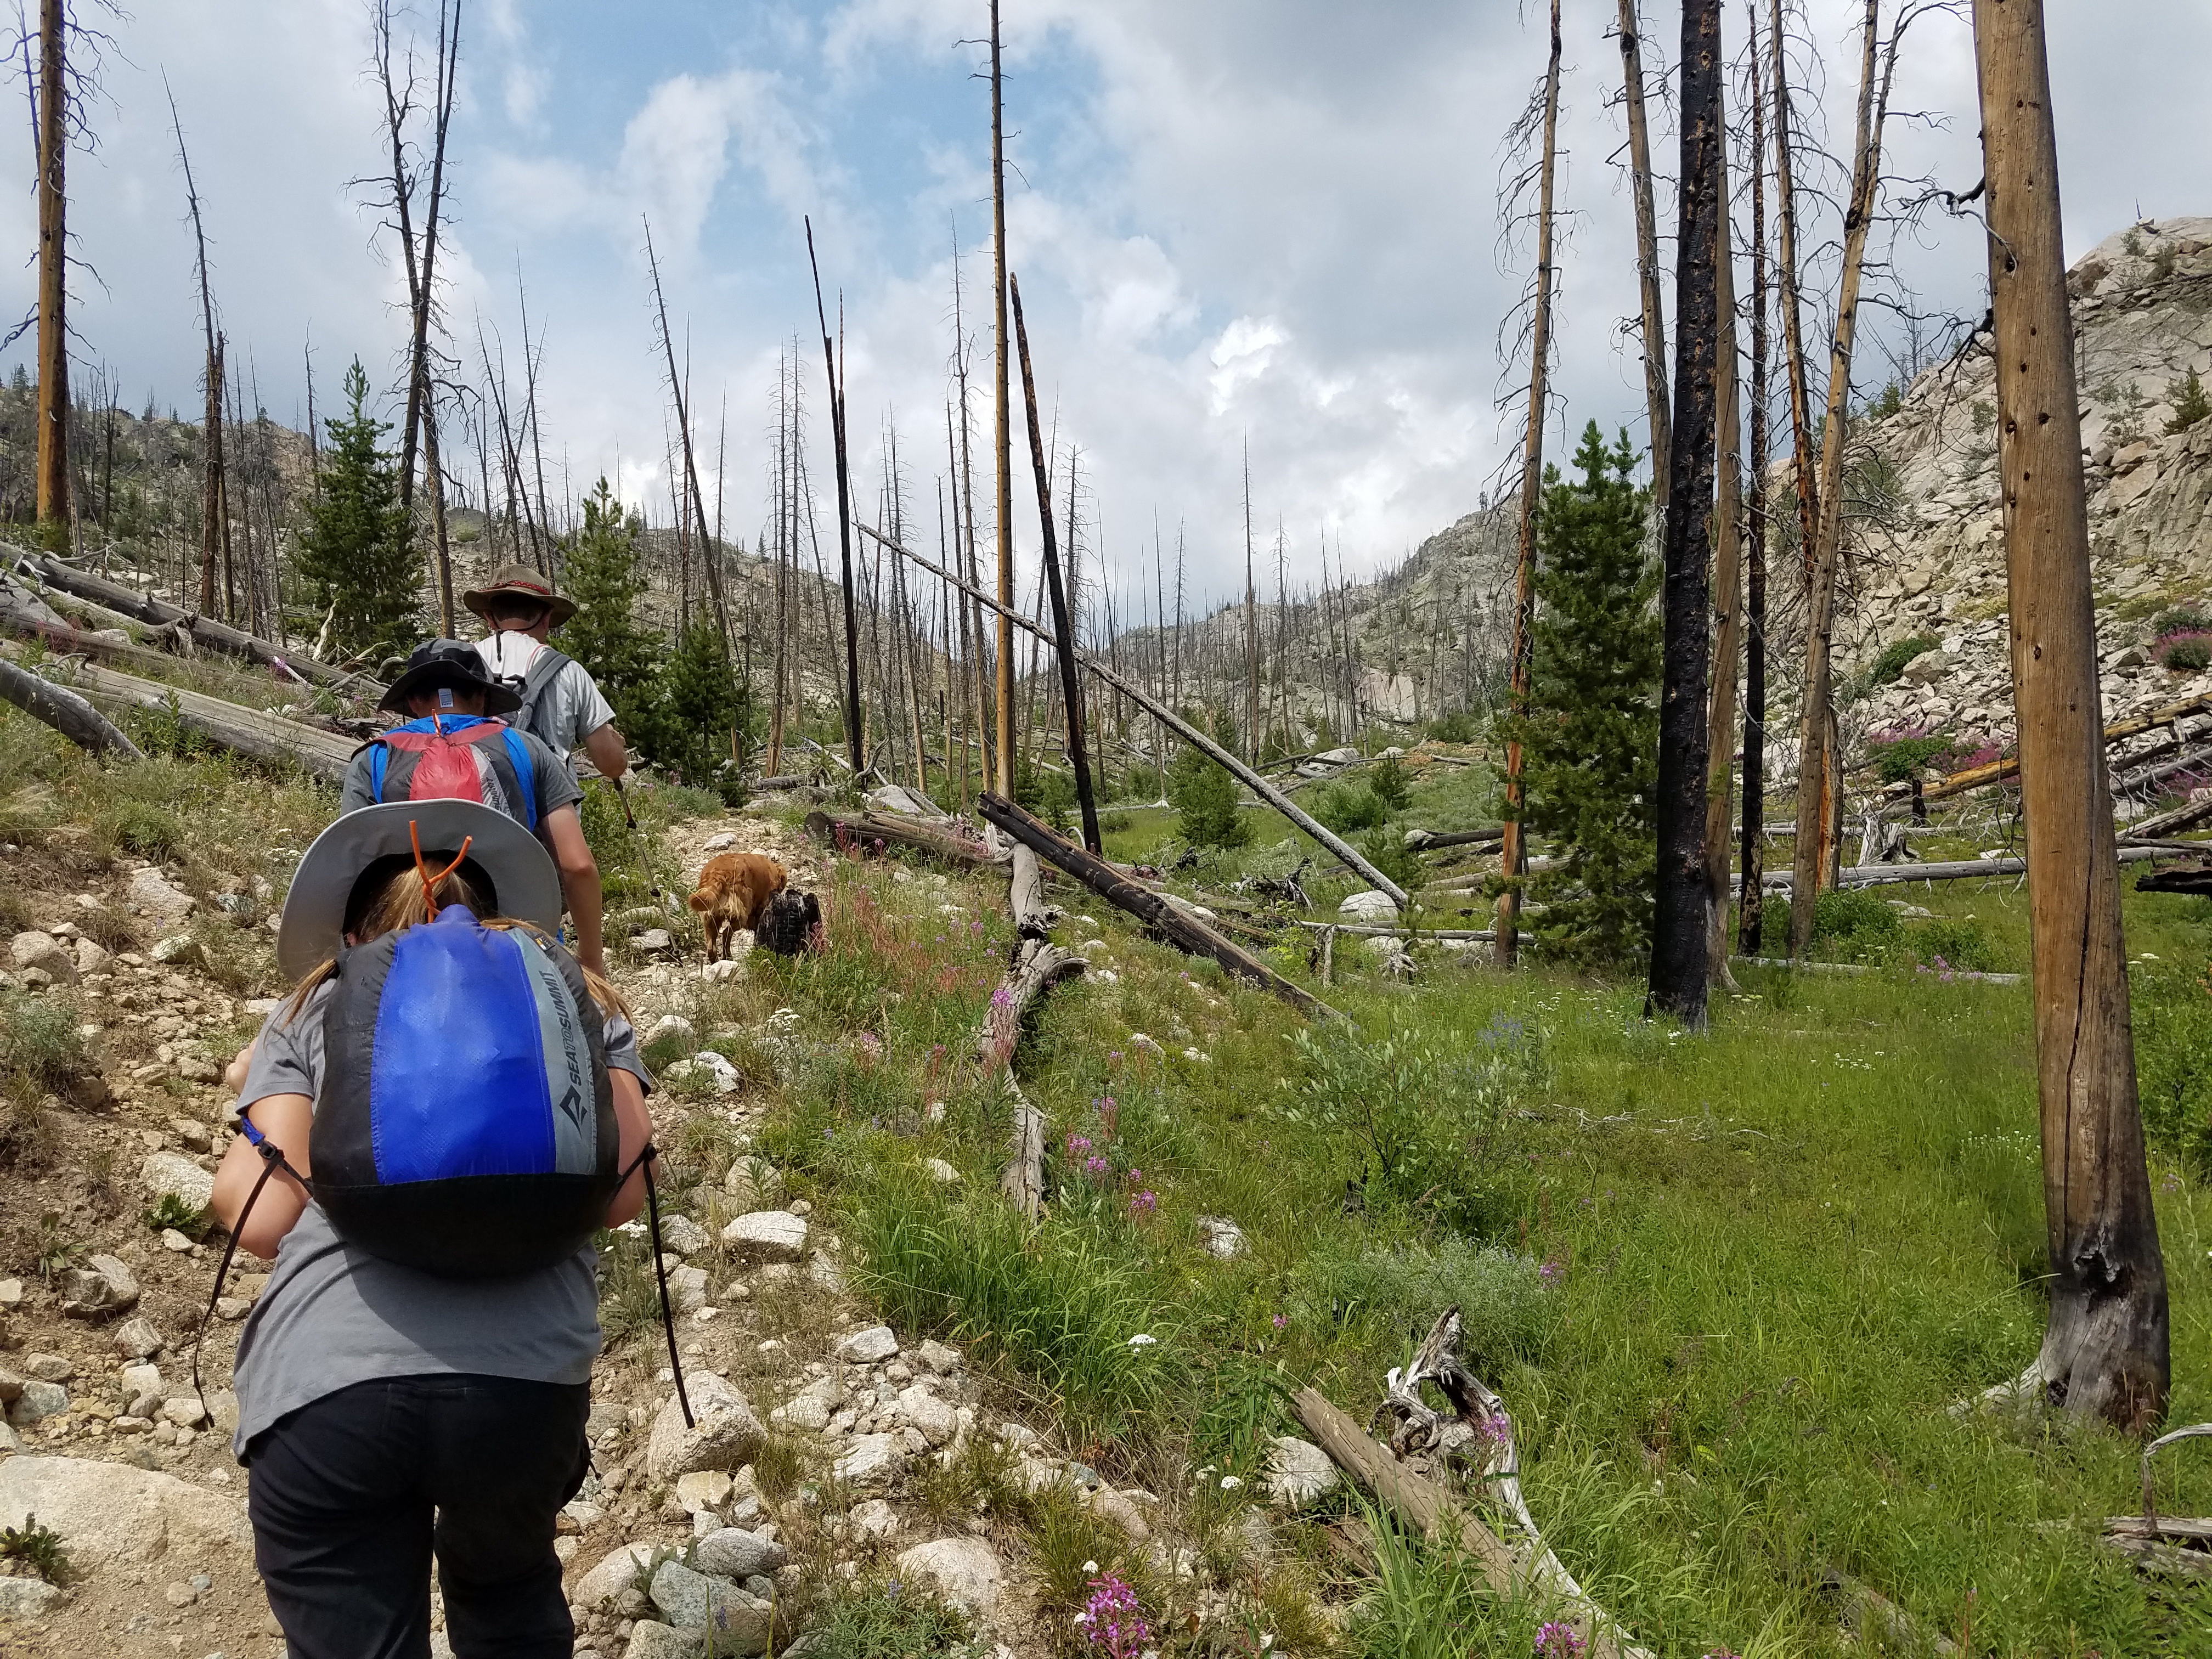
[{"x": 573, "y": 707}]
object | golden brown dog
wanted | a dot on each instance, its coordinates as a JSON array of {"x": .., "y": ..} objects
[{"x": 734, "y": 888}]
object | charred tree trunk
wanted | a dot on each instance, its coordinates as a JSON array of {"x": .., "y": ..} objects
[
  {"x": 2105, "y": 1353},
  {"x": 1750, "y": 900},
  {"x": 1251, "y": 627},
  {"x": 1647, "y": 253},
  {"x": 1513, "y": 858},
  {"x": 1728, "y": 592},
  {"x": 1679, "y": 938},
  {"x": 1071, "y": 689},
  {"x": 53, "y": 394},
  {"x": 1005, "y": 441},
  {"x": 853, "y": 744}
]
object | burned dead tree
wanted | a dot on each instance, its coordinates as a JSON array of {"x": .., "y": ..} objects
[{"x": 2105, "y": 1349}]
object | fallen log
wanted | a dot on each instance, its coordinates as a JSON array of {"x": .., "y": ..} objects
[
  {"x": 1428, "y": 840},
  {"x": 1976, "y": 777},
  {"x": 66, "y": 712},
  {"x": 2186, "y": 815},
  {"x": 1038, "y": 964},
  {"x": 2182, "y": 878},
  {"x": 1880, "y": 875},
  {"x": 859, "y": 829},
  {"x": 1179, "y": 928},
  {"x": 1873, "y": 1617},
  {"x": 203, "y": 630},
  {"x": 249, "y": 731},
  {"x": 1430, "y": 1510},
  {"x": 1174, "y": 722},
  {"x": 1365, "y": 930},
  {"x": 1807, "y": 965}
]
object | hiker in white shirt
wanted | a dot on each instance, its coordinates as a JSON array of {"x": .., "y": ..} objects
[{"x": 562, "y": 705}]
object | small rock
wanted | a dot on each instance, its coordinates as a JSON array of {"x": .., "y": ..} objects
[
  {"x": 175, "y": 1243},
  {"x": 872, "y": 1459},
  {"x": 136, "y": 1339},
  {"x": 768, "y": 1236},
  {"x": 868, "y": 1347},
  {"x": 1256, "y": 1538},
  {"x": 929, "y": 1415},
  {"x": 49, "y": 1367},
  {"x": 232, "y": 1308},
  {"x": 615, "y": 1572},
  {"x": 729, "y": 968},
  {"x": 727, "y": 1436},
  {"x": 177, "y": 948},
  {"x": 703, "y": 1489},
  {"x": 180, "y": 1596},
  {"x": 103, "y": 1286},
  {"x": 11, "y": 1293},
  {"x": 965, "y": 1572},
  {"x": 941, "y": 1172},
  {"x": 938, "y": 1358},
  {"x": 687, "y": 1289},
  {"x": 754, "y": 1184},
  {"x": 1299, "y": 1472},
  {"x": 671, "y": 1025},
  {"x": 172, "y": 1175},
  {"x": 652, "y": 942},
  {"x": 27, "y": 1598},
  {"x": 681, "y": 1234},
  {"x": 1222, "y": 1238},
  {"x": 737, "y": 1620},
  {"x": 43, "y": 952},
  {"x": 37, "y": 1402},
  {"x": 735, "y": 1553},
  {"x": 92, "y": 958},
  {"x": 186, "y": 1411},
  {"x": 716, "y": 1069},
  {"x": 152, "y": 895},
  {"x": 651, "y": 1640},
  {"x": 1373, "y": 905},
  {"x": 1110, "y": 1506},
  {"x": 872, "y": 1518}
]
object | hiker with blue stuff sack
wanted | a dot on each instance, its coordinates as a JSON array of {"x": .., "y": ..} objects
[
  {"x": 454, "y": 744},
  {"x": 435, "y": 1123}
]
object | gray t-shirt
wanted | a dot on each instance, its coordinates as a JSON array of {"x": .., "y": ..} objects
[
  {"x": 333, "y": 1315},
  {"x": 572, "y": 707}
]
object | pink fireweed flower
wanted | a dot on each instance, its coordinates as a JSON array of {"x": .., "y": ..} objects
[
  {"x": 1095, "y": 1165},
  {"x": 1143, "y": 1203},
  {"x": 1077, "y": 1144},
  {"x": 1112, "y": 1620}
]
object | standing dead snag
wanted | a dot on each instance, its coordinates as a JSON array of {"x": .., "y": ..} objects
[
  {"x": 52, "y": 114},
  {"x": 1819, "y": 802},
  {"x": 1647, "y": 251},
  {"x": 2105, "y": 1351},
  {"x": 1513, "y": 857},
  {"x": 852, "y": 742},
  {"x": 1750, "y": 919},
  {"x": 1071, "y": 689},
  {"x": 1728, "y": 596},
  {"x": 1679, "y": 938},
  {"x": 1004, "y": 452}
]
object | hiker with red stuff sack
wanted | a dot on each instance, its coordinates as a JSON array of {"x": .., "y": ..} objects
[
  {"x": 455, "y": 745},
  {"x": 433, "y": 1124}
]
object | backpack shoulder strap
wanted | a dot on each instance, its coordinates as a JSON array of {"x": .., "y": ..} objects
[
  {"x": 525, "y": 774},
  {"x": 544, "y": 668}
]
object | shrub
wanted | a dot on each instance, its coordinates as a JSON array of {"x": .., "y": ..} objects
[
  {"x": 39, "y": 1044},
  {"x": 1953, "y": 942},
  {"x": 1390, "y": 783},
  {"x": 1887, "y": 667},
  {"x": 1507, "y": 1309},
  {"x": 1898, "y": 755},
  {"x": 2187, "y": 618},
  {"x": 1385, "y": 849},
  {"x": 137, "y": 826},
  {"x": 2185, "y": 653},
  {"x": 170, "y": 1211},
  {"x": 1856, "y": 918},
  {"x": 886, "y": 1620},
  {"x": 1454, "y": 726},
  {"x": 2170, "y": 1008},
  {"x": 1346, "y": 807},
  {"x": 1205, "y": 800},
  {"x": 2191, "y": 405}
]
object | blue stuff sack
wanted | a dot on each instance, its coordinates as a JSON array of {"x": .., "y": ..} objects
[{"x": 466, "y": 1125}]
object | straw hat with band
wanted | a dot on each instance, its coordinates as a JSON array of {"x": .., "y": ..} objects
[
  {"x": 449, "y": 662},
  {"x": 520, "y": 581},
  {"x": 351, "y": 860}
]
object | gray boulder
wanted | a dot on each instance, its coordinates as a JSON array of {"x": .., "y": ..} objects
[
  {"x": 727, "y": 1436},
  {"x": 737, "y": 1621},
  {"x": 732, "y": 1553},
  {"x": 108, "y": 1513}
]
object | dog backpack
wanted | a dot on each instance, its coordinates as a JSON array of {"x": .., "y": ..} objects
[{"x": 456, "y": 757}]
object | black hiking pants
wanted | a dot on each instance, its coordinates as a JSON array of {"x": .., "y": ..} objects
[{"x": 350, "y": 1496}]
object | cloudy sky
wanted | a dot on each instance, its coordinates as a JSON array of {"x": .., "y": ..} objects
[{"x": 1271, "y": 222}]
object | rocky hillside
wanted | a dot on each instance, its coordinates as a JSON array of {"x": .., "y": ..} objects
[{"x": 1928, "y": 556}]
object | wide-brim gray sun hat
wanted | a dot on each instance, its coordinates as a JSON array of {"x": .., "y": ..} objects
[{"x": 527, "y": 887}]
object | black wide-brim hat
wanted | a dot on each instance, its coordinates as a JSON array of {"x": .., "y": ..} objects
[
  {"x": 449, "y": 662},
  {"x": 525, "y": 886},
  {"x": 522, "y": 582}
]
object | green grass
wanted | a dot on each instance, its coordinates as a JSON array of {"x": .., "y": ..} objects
[{"x": 1780, "y": 1252}]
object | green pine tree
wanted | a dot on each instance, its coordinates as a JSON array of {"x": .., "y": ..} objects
[
  {"x": 1590, "y": 740},
  {"x": 2191, "y": 405},
  {"x": 356, "y": 550},
  {"x": 1203, "y": 794},
  {"x": 700, "y": 704},
  {"x": 604, "y": 576}
]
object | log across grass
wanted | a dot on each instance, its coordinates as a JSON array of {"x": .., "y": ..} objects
[{"x": 1732, "y": 1285}]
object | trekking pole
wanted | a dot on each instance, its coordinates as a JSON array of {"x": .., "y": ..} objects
[{"x": 637, "y": 841}]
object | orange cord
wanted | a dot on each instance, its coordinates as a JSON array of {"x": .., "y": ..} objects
[{"x": 430, "y": 881}]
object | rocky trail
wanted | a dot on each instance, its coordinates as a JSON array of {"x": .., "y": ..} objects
[{"x": 816, "y": 1422}]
